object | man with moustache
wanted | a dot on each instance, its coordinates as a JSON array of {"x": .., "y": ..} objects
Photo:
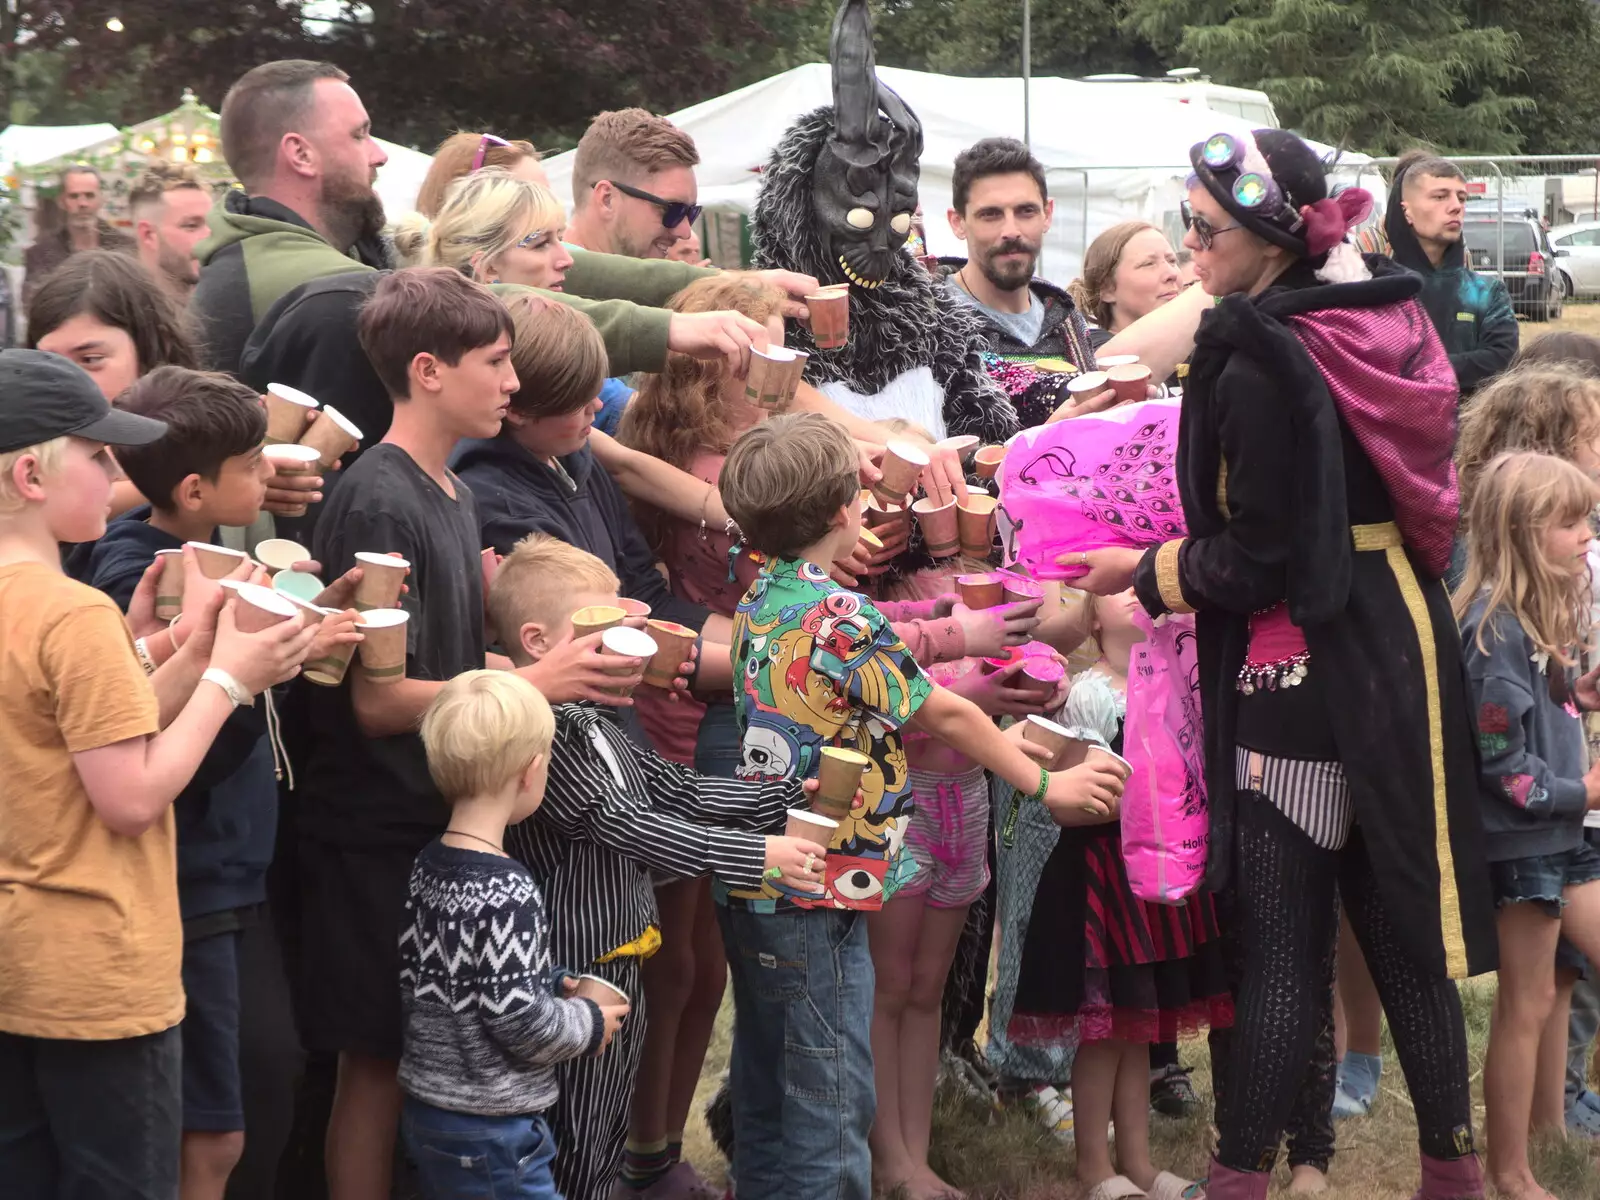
[
  {"x": 1001, "y": 209},
  {"x": 299, "y": 141}
]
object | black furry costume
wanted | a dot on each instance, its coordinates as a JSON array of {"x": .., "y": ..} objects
[{"x": 907, "y": 320}]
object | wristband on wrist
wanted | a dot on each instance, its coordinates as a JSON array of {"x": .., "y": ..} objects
[
  {"x": 1044, "y": 786},
  {"x": 236, "y": 692},
  {"x": 142, "y": 651}
]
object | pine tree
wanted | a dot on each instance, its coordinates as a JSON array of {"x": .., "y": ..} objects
[
  {"x": 1373, "y": 75},
  {"x": 1558, "y": 47}
]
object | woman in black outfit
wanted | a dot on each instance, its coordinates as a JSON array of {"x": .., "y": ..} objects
[{"x": 1315, "y": 472}]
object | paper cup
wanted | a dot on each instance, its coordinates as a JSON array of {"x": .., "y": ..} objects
[
  {"x": 839, "y": 774},
  {"x": 830, "y": 317},
  {"x": 975, "y": 524},
  {"x": 1051, "y": 736},
  {"x": 1106, "y": 362},
  {"x": 880, "y": 516},
  {"x": 1020, "y": 591},
  {"x": 627, "y": 642},
  {"x": 1000, "y": 662},
  {"x": 592, "y": 987},
  {"x": 218, "y": 562},
  {"x": 634, "y": 608},
  {"x": 767, "y": 384},
  {"x": 288, "y": 411},
  {"x": 290, "y": 460},
  {"x": 939, "y": 527},
  {"x": 382, "y": 576},
  {"x": 383, "y": 648},
  {"x": 260, "y": 608},
  {"x": 1090, "y": 383},
  {"x": 310, "y": 614},
  {"x": 1109, "y": 758},
  {"x": 870, "y": 544},
  {"x": 795, "y": 375},
  {"x": 963, "y": 444},
  {"x": 902, "y": 463},
  {"x": 298, "y": 585},
  {"x": 674, "y": 643},
  {"x": 169, "y": 585},
  {"x": 332, "y": 435},
  {"x": 981, "y": 591},
  {"x": 329, "y": 670},
  {"x": 597, "y": 618},
  {"x": 1039, "y": 675},
  {"x": 987, "y": 461},
  {"x": 1132, "y": 381},
  {"x": 279, "y": 554},
  {"x": 810, "y": 827}
]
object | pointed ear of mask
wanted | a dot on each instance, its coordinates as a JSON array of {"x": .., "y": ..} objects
[{"x": 866, "y": 174}]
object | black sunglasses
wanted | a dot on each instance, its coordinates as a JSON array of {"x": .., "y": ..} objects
[
  {"x": 673, "y": 212},
  {"x": 1203, "y": 229}
]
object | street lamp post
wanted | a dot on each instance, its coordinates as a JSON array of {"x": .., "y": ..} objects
[{"x": 1027, "y": 73}]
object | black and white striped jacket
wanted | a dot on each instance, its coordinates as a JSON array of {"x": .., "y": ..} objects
[{"x": 613, "y": 812}]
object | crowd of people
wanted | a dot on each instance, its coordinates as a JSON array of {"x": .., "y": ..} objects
[{"x": 289, "y": 905}]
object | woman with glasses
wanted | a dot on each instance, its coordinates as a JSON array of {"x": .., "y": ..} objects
[
  {"x": 492, "y": 227},
  {"x": 1314, "y": 468}
]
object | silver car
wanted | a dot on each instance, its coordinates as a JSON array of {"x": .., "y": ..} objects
[{"x": 1577, "y": 248}]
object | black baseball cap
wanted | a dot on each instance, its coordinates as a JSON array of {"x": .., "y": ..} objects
[{"x": 44, "y": 396}]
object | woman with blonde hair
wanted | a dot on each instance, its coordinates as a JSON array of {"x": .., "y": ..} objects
[{"x": 494, "y": 228}]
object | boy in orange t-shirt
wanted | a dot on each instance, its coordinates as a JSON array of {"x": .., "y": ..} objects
[{"x": 92, "y": 753}]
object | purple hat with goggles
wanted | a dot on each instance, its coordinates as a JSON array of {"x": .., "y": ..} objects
[{"x": 1274, "y": 185}]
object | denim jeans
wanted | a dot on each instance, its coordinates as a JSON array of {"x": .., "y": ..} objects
[
  {"x": 90, "y": 1120},
  {"x": 717, "y": 748},
  {"x": 803, "y": 1098},
  {"x": 461, "y": 1156}
]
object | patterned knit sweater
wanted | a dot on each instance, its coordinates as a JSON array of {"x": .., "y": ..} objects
[{"x": 484, "y": 1026}]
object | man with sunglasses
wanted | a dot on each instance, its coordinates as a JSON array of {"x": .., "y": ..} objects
[{"x": 633, "y": 185}]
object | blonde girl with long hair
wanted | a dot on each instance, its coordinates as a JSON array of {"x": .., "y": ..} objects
[
  {"x": 1525, "y": 609},
  {"x": 494, "y": 228}
]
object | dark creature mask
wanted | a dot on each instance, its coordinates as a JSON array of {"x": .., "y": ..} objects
[{"x": 866, "y": 175}]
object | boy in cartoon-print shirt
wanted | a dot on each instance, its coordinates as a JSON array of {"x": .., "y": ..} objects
[
  {"x": 816, "y": 666},
  {"x": 819, "y": 666}
]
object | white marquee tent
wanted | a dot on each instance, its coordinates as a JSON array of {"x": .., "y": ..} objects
[{"x": 1108, "y": 156}]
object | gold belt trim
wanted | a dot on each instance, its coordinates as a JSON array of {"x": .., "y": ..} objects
[
  {"x": 642, "y": 947},
  {"x": 1386, "y": 537},
  {"x": 1383, "y": 536}
]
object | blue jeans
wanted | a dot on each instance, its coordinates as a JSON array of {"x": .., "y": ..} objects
[
  {"x": 717, "y": 746},
  {"x": 461, "y": 1156},
  {"x": 803, "y": 1098},
  {"x": 90, "y": 1119}
]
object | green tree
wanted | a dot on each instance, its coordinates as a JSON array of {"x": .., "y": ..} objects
[
  {"x": 1558, "y": 48},
  {"x": 1374, "y": 75}
]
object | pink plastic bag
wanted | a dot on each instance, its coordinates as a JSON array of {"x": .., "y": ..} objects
[
  {"x": 1106, "y": 479},
  {"x": 1165, "y": 828}
]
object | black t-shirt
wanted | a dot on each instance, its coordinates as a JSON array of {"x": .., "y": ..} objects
[{"x": 358, "y": 790}]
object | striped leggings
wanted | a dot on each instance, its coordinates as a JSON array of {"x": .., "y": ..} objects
[{"x": 590, "y": 1120}]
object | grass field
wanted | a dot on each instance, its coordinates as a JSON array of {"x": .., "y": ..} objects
[{"x": 1007, "y": 1157}]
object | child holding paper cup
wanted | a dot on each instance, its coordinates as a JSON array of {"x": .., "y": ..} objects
[
  {"x": 1129, "y": 973},
  {"x": 610, "y": 808}
]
